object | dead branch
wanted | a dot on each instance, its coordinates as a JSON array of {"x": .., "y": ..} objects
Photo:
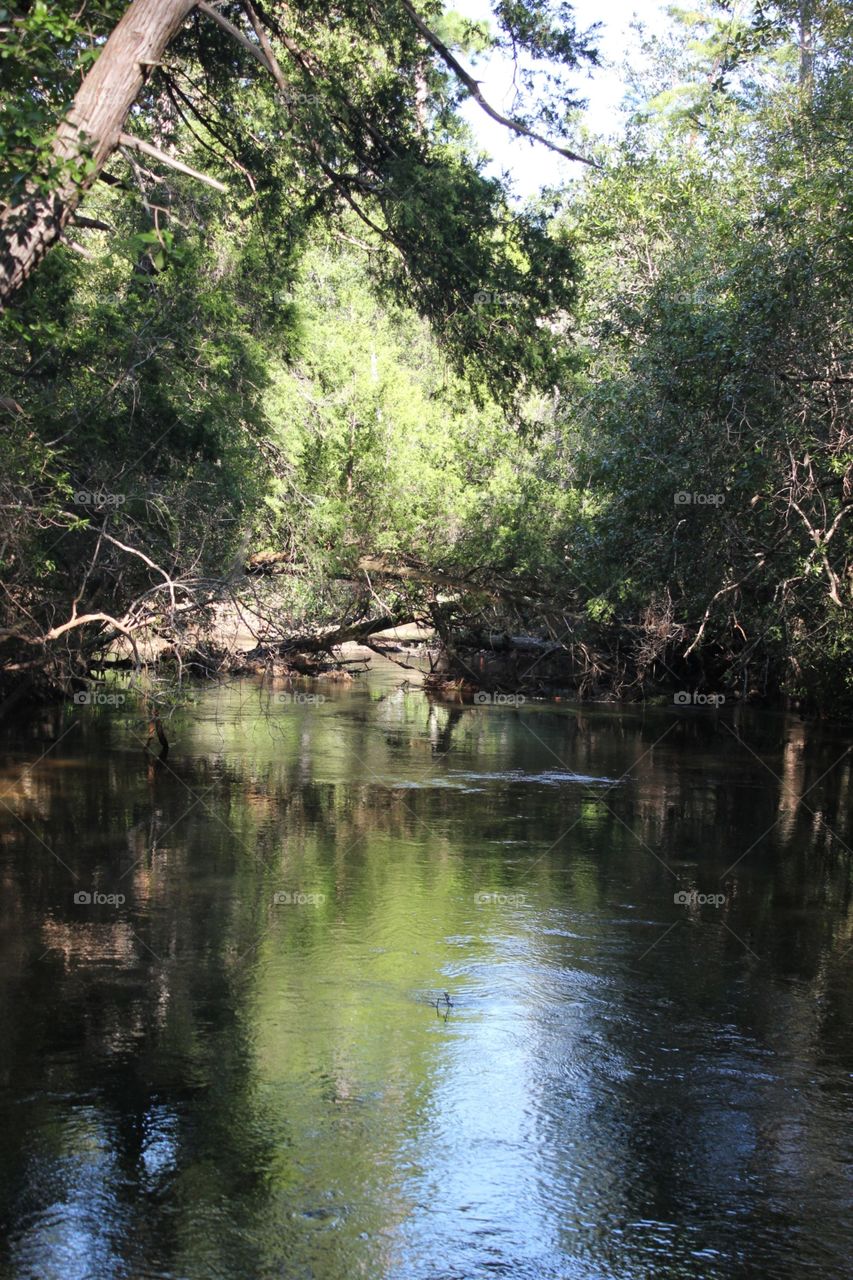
[{"x": 137, "y": 144}]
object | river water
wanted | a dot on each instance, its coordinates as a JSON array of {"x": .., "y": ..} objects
[{"x": 227, "y": 1051}]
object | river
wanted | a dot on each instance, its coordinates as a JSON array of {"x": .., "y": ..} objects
[{"x": 356, "y": 984}]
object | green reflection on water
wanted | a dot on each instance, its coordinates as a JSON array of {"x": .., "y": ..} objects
[{"x": 240, "y": 1070}]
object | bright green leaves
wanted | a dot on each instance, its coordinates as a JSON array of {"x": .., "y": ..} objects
[
  {"x": 43, "y": 51},
  {"x": 715, "y": 414}
]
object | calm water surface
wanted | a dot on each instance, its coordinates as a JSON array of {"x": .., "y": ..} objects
[{"x": 229, "y": 1062}]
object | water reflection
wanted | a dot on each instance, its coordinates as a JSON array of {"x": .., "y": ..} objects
[{"x": 227, "y": 1060}]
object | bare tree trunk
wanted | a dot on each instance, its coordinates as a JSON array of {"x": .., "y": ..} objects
[
  {"x": 806, "y": 40},
  {"x": 90, "y": 130}
]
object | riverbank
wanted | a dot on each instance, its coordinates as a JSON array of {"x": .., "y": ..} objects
[{"x": 453, "y": 659}]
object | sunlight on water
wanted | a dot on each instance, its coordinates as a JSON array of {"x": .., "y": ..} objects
[{"x": 375, "y": 987}]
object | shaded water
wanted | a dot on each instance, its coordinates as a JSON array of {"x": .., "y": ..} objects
[{"x": 248, "y": 1067}]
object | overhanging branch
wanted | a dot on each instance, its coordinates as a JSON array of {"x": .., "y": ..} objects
[
  {"x": 473, "y": 87},
  {"x": 137, "y": 144}
]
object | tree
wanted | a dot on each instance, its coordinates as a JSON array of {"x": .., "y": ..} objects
[
  {"x": 88, "y": 134},
  {"x": 137, "y": 444},
  {"x": 713, "y": 435}
]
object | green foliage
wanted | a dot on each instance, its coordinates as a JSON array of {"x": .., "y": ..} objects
[
  {"x": 136, "y": 414},
  {"x": 714, "y": 418},
  {"x": 634, "y": 412},
  {"x": 366, "y": 123},
  {"x": 43, "y": 50},
  {"x": 371, "y": 422}
]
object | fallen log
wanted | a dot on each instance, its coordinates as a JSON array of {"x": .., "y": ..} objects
[
  {"x": 351, "y": 633},
  {"x": 388, "y": 651}
]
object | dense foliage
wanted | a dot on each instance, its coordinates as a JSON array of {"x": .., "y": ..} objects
[
  {"x": 619, "y": 417},
  {"x": 715, "y": 420}
]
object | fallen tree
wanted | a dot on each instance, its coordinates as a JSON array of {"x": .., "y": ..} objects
[{"x": 353, "y": 633}]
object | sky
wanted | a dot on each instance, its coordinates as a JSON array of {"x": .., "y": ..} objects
[{"x": 532, "y": 165}]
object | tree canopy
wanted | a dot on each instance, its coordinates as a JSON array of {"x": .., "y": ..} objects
[{"x": 295, "y": 319}]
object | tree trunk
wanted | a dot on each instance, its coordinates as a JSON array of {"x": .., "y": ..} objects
[
  {"x": 90, "y": 130},
  {"x": 806, "y": 34},
  {"x": 324, "y": 641}
]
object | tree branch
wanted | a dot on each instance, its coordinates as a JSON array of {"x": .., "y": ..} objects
[
  {"x": 473, "y": 87},
  {"x": 137, "y": 144},
  {"x": 236, "y": 34},
  {"x": 275, "y": 69}
]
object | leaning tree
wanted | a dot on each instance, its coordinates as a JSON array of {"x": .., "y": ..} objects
[{"x": 355, "y": 84}]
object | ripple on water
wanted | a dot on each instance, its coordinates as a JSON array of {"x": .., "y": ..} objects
[{"x": 462, "y": 780}]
